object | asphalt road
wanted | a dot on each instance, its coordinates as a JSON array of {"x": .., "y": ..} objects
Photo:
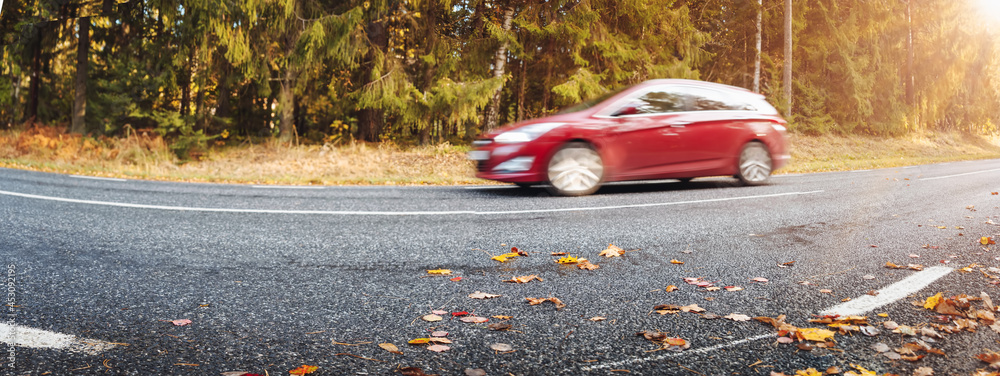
[{"x": 273, "y": 277}]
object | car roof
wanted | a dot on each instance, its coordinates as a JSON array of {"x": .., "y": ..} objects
[{"x": 675, "y": 81}]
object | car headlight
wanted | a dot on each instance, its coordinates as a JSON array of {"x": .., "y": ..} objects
[
  {"x": 516, "y": 165},
  {"x": 526, "y": 133}
]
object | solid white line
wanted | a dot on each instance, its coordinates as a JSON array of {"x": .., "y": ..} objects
[
  {"x": 286, "y": 187},
  {"x": 23, "y": 336},
  {"x": 672, "y": 355},
  {"x": 392, "y": 213},
  {"x": 867, "y": 303},
  {"x": 890, "y": 294},
  {"x": 494, "y": 187},
  {"x": 957, "y": 175},
  {"x": 96, "y": 178}
]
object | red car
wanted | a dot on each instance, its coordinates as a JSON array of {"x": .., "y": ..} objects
[{"x": 659, "y": 129}]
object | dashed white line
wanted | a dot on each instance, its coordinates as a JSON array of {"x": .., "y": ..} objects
[
  {"x": 957, "y": 175},
  {"x": 393, "y": 213},
  {"x": 23, "y": 336},
  {"x": 890, "y": 294},
  {"x": 97, "y": 178}
]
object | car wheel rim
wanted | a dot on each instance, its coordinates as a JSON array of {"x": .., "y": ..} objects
[
  {"x": 755, "y": 164},
  {"x": 575, "y": 170}
]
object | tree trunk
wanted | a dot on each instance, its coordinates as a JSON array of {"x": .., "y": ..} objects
[
  {"x": 31, "y": 114},
  {"x": 80, "y": 88},
  {"x": 520, "y": 90},
  {"x": 286, "y": 108},
  {"x": 756, "y": 59},
  {"x": 909, "y": 55},
  {"x": 787, "y": 76},
  {"x": 371, "y": 120},
  {"x": 493, "y": 109}
]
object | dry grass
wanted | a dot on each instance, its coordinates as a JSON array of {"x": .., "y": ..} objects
[
  {"x": 146, "y": 156},
  {"x": 840, "y": 153}
]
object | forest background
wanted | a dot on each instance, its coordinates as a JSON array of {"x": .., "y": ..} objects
[{"x": 195, "y": 76}]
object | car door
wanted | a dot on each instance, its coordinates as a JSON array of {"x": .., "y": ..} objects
[
  {"x": 644, "y": 130},
  {"x": 713, "y": 125}
]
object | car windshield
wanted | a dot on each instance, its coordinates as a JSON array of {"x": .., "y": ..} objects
[{"x": 590, "y": 102}]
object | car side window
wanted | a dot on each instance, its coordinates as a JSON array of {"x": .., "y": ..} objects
[
  {"x": 711, "y": 100},
  {"x": 660, "y": 100}
]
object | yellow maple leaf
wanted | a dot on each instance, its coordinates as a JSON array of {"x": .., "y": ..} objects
[
  {"x": 439, "y": 271},
  {"x": 863, "y": 372},
  {"x": 815, "y": 334},
  {"x": 504, "y": 257},
  {"x": 567, "y": 260},
  {"x": 932, "y": 301},
  {"x": 304, "y": 369},
  {"x": 808, "y": 372}
]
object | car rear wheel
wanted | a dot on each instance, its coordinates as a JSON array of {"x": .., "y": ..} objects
[
  {"x": 575, "y": 170},
  {"x": 755, "y": 164}
]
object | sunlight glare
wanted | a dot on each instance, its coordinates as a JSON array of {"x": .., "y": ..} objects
[{"x": 989, "y": 9}]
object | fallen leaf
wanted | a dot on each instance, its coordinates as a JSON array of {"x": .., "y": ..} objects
[
  {"x": 419, "y": 341},
  {"x": 180, "y": 322},
  {"x": 826, "y": 291},
  {"x": 786, "y": 264},
  {"x": 499, "y": 317},
  {"x": 459, "y": 313},
  {"x": 692, "y": 308},
  {"x": 986, "y": 240},
  {"x": 567, "y": 260},
  {"x": 675, "y": 342},
  {"x": 893, "y": 266},
  {"x": 584, "y": 264},
  {"x": 677, "y": 262},
  {"x": 304, "y": 369},
  {"x": 559, "y": 253},
  {"x": 932, "y": 301},
  {"x": 760, "y": 279},
  {"x": 456, "y": 279},
  {"x": 475, "y": 372},
  {"x": 439, "y": 312},
  {"x": 438, "y": 348},
  {"x": 413, "y": 371},
  {"x": 598, "y": 318},
  {"x": 913, "y": 255},
  {"x": 474, "y": 319},
  {"x": 432, "y": 318},
  {"x": 833, "y": 370},
  {"x": 439, "y": 333},
  {"x": 737, "y": 317},
  {"x": 536, "y": 301},
  {"x": 892, "y": 355},
  {"x": 502, "y": 347},
  {"x": 916, "y": 267},
  {"x": 612, "y": 251},
  {"x": 804, "y": 347},
  {"x": 235, "y": 373},
  {"x": 734, "y": 288},
  {"x": 439, "y": 272},
  {"x": 990, "y": 357},
  {"x": 518, "y": 251},
  {"x": 710, "y": 316},
  {"x": 870, "y": 331},
  {"x": 881, "y": 347},
  {"x": 505, "y": 257},
  {"x": 868, "y": 277},
  {"x": 785, "y": 340},
  {"x": 500, "y": 326},
  {"x": 713, "y": 288},
  {"x": 891, "y": 325},
  {"x": 923, "y": 371},
  {"x": 390, "y": 348},
  {"x": 670, "y": 288},
  {"x": 815, "y": 334},
  {"x": 483, "y": 295},
  {"x": 525, "y": 279}
]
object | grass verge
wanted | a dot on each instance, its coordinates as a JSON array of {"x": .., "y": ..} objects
[{"x": 145, "y": 156}]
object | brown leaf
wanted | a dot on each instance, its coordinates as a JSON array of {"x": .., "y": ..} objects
[
  {"x": 438, "y": 348},
  {"x": 413, "y": 371},
  {"x": 536, "y": 301},
  {"x": 692, "y": 308},
  {"x": 587, "y": 265},
  {"x": 432, "y": 318},
  {"x": 525, "y": 279},
  {"x": 499, "y": 326},
  {"x": 598, "y": 318},
  {"x": 804, "y": 346},
  {"x": 670, "y": 288},
  {"x": 653, "y": 336},
  {"x": 439, "y": 333},
  {"x": 559, "y": 253},
  {"x": 483, "y": 295},
  {"x": 501, "y": 317},
  {"x": 390, "y": 348},
  {"x": 737, "y": 317},
  {"x": 439, "y": 340},
  {"x": 787, "y": 264},
  {"x": 502, "y": 347},
  {"x": 923, "y": 371},
  {"x": 826, "y": 291},
  {"x": 474, "y": 319},
  {"x": 612, "y": 251}
]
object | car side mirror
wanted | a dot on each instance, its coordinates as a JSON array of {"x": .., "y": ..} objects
[{"x": 627, "y": 110}]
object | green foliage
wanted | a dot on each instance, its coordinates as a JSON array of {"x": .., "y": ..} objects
[{"x": 186, "y": 142}]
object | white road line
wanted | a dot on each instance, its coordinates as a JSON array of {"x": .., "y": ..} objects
[
  {"x": 890, "y": 294},
  {"x": 957, "y": 175},
  {"x": 286, "y": 187},
  {"x": 702, "y": 350},
  {"x": 23, "y": 336},
  {"x": 859, "y": 170},
  {"x": 96, "y": 178},
  {"x": 864, "y": 304},
  {"x": 393, "y": 213},
  {"x": 494, "y": 187}
]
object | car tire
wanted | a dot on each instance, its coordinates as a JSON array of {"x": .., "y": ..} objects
[
  {"x": 576, "y": 169},
  {"x": 524, "y": 185},
  {"x": 755, "y": 164}
]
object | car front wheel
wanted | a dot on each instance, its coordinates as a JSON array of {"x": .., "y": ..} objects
[
  {"x": 755, "y": 164},
  {"x": 575, "y": 170}
]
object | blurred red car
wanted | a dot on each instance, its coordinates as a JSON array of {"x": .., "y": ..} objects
[{"x": 659, "y": 129}]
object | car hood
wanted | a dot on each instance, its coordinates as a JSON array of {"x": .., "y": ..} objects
[{"x": 560, "y": 118}]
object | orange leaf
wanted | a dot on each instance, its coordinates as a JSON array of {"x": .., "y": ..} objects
[
  {"x": 584, "y": 264},
  {"x": 419, "y": 341},
  {"x": 304, "y": 369},
  {"x": 677, "y": 262},
  {"x": 456, "y": 279},
  {"x": 986, "y": 240},
  {"x": 612, "y": 251},
  {"x": 670, "y": 288}
]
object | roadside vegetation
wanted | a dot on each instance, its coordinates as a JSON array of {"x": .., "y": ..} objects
[{"x": 145, "y": 155}]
